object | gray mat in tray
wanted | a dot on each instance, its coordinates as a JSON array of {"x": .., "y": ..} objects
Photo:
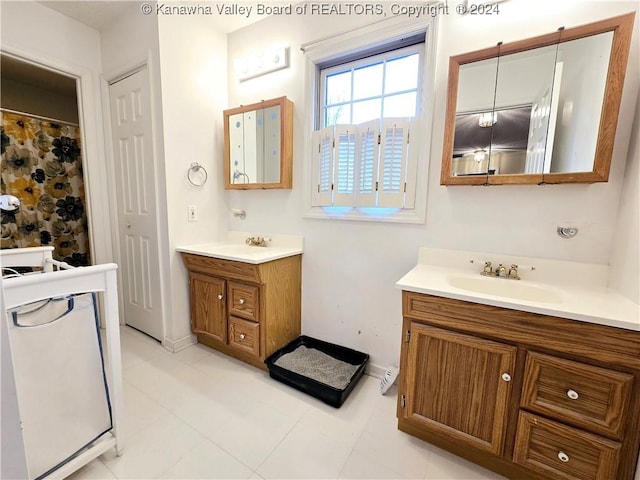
[{"x": 318, "y": 366}]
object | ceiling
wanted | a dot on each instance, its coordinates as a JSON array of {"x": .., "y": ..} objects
[{"x": 99, "y": 14}]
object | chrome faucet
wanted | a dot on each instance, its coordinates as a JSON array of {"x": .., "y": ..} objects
[
  {"x": 500, "y": 271},
  {"x": 256, "y": 241}
]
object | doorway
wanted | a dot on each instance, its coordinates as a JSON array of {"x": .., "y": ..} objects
[{"x": 42, "y": 162}]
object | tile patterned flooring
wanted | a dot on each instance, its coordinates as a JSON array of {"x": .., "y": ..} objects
[{"x": 198, "y": 414}]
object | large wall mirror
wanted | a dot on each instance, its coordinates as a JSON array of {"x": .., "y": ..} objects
[
  {"x": 541, "y": 110},
  {"x": 258, "y": 145}
]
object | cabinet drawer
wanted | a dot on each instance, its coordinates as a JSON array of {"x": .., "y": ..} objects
[
  {"x": 244, "y": 301},
  {"x": 562, "y": 452},
  {"x": 590, "y": 397},
  {"x": 244, "y": 335}
]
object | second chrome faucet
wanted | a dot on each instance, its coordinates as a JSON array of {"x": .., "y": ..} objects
[
  {"x": 257, "y": 241},
  {"x": 500, "y": 271}
]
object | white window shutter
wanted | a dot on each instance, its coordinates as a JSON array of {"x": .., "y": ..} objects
[
  {"x": 367, "y": 165},
  {"x": 394, "y": 143},
  {"x": 322, "y": 167},
  {"x": 344, "y": 171},
  {"x": 415, "y": 126}
]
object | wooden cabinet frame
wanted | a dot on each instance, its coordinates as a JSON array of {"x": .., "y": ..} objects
[
  {"x": 584, "y": 348},
  {"x": 260, "y": 310}
]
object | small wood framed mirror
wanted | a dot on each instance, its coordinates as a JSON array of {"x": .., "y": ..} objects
[
  {"x": 540, "y": 110},
  {"x": 258, "y": 145}
]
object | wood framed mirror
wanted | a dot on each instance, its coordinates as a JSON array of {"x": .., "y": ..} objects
[
  {"x": 540, "y": 110},
  {"x": 258, "y": 145}
]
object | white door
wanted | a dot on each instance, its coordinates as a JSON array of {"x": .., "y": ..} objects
[
  {"x": 137, "y": 219},
  {"x": 542, "y": 129}
]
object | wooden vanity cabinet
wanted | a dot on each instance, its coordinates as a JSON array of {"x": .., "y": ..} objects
[
  {"x": 526, "y": 395},
  {"x": 245, "y": 310}
]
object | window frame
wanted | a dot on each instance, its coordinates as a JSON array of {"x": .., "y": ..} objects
[
  {"x": 360, "y": 41},
  {"x": 352, "y": 65}
]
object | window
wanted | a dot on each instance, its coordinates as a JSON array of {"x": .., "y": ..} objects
[
  {"x": 361, "y": 155},
  {"x": 378, "y": 86},
  {"x": 369, "y": 130}
]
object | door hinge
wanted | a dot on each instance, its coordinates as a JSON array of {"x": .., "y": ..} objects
[
  {"x": 407, "y": 336},
  {"x": 379, "y": 139},
  {"x": 403, "y": 401}
]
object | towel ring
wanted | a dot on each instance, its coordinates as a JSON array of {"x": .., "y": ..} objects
[{"x": 194, "y": 168}]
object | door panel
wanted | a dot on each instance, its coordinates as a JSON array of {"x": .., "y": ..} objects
[
  {"x": 135, "y": 186},
  {"x": 455, "y": 385},
  {"x": 208, "y": 306}
]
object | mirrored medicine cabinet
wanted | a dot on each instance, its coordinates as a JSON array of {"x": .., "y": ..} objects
[
  {"x": 540, "y": 110},
  {"x": 258, "y": 145}
]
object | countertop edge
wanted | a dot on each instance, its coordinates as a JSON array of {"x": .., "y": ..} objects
[
  {"x": 503, "y": 302},
  {"x": 271, "y": 257}
]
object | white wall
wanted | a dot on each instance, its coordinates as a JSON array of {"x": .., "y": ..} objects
[
  {"x": 131, "y": 41},
  {"x": 194, "y": 92},
  {"x": 625, "y": 261},
  {"x": 350, "y": 268},
  {"x": 68, "y": 46}
]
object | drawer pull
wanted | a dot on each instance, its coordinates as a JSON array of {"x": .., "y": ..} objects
[
  {"x": 506, "y": 377},
  {"x": 242, "y": 335},
  {"x": 219, "y": 296},
  {"x": 242, "y": 301},
  {"x": 563, "y": 457},
  {"x": 572, "y": 394}
]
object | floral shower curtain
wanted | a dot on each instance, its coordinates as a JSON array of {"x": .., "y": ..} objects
[{"x": 42, "y": 166}]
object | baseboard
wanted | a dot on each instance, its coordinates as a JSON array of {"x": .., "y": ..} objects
[
  {"x": 375, "y": 370},
  {"x": 180, "y": 344}
]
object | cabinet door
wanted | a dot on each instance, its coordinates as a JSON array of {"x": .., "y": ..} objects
[
  {"x": 457, "y": 385},
  {"x": 208, "y": 311}
]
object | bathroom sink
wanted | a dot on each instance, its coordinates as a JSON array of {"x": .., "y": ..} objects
[
  {"x": 513, "y": 289},
  {"x": 240, "y": 250}
]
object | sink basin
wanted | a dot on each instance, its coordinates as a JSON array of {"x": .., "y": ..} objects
[
  {"x": 514, "y": 289},
  {"x": 240, "y": 250}
]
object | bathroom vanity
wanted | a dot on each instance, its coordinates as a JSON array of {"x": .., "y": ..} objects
[
  {"x": 245, "y": 300},
  {"x": 534, "y": 381}
]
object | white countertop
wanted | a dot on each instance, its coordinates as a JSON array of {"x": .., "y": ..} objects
[
  {"x": 234, "y": 248},
  {"x": 563, "y": 289}
]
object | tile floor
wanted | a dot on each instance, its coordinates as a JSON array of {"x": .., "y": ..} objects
[{"x": 198, "y": 414}]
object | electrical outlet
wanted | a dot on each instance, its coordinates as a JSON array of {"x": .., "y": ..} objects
[{"x": 192, "y": 213}]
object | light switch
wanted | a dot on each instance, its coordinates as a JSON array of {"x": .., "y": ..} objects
[{"x": 192, "y": 213}]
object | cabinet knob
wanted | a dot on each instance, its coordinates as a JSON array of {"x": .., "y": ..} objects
[
  {"x": 572, "y": 394},
  {"x": 506, "y": 377},
  {"x": 242, "y": 335},
  {"x": 563, "y": 457},
  {"x": 219, "y": 296},
  {"x": 242, "y": 301}
]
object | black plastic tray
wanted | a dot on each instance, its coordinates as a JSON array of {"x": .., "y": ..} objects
[{"x": 328, "y": 394}]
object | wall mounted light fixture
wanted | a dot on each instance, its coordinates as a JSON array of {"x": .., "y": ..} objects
[
  {"x": 258, "y": 63},
  {"x": 488, "y": 119}
]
